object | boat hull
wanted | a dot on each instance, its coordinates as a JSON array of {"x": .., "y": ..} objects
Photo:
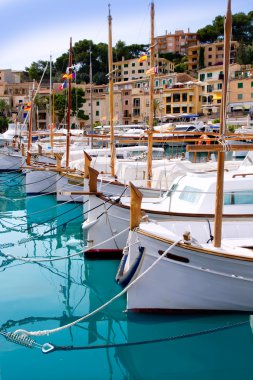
[{"x": 189, "y": 279}]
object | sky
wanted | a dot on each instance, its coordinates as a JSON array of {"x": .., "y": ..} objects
[{"x": 32, "y": 30}]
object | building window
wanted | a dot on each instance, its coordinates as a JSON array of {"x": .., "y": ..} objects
[
  {"x": 176, "y": 97},
  {"x": 126, "y": 102},
  {"x": 210, "y": 49},
  {"x": 125, "y": 72},
  {"x": 156, "y": 83},
  {"x": 97, "y": 103},
  {"x": 168, "y": 99},
  {"x": 133, "y": 71},
  {"x": 202, "y": 77},
  {"x": 184, "y": 97},
  {"x": 209, "y": 75},
  {"x": 251, "y": 95},
  {"x": 239, "y": 96},
  {"x": 176, "y": 109},
  {"x": 219, "y": 86},
  {"x": 125, "y": 64},
  {"x": 133, "y": 63},
  {"x": 97, "y": 113},
  {"x": 240, "y": 85},
  {"x": 136, "y": 102},
  {"x": 251, "y": 84}
]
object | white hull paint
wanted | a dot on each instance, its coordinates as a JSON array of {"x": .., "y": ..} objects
[
  {"x": 206, "y": 282},
  {"x": 10, "y": 160},
  {"x": 40, "y": 182}
]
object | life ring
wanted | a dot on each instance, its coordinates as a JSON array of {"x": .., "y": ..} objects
[{"x": 205, "y": 140}]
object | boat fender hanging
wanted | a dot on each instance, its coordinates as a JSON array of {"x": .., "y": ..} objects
[
  {"x": 88, "y": 224},
  {"x": 122, "y": 278}
]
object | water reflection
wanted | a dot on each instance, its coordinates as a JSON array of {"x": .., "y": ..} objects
[{"x": 46, "y": 295}]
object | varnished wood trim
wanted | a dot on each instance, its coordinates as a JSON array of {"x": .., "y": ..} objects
[{"x": 193, "y": 248}]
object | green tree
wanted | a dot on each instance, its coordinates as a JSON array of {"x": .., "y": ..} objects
[
  {"x": 242, "y": 29},
  {"x": 201, "y": 57},
  {"x": 121, "y": 51},
  {"x": 4, "y": 121},
  {"x": 244, "y": 54},
  {"x": 77, "y": 101},
  {"x": 35, "y": 71},
  {"x": 4, "y": 108}
]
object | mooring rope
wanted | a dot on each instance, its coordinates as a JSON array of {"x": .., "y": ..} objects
[
  {"x": 49, "y": 347},
  {"x": 133, "y": 282}
]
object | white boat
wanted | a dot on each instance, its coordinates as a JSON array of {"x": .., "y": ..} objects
[
  {"x": 180, "y": 269},
  {"x": 173, "y": 264},
  {"x": 190, "y": 195},
  {"x": 14, "y": 130}
]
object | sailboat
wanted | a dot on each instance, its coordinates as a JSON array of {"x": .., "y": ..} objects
[
  {"x": 109, "y": 215},
  {"x": 174, "y": 266}
]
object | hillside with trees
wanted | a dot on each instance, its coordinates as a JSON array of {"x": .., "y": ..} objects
[{"x": 242, "y": 31}]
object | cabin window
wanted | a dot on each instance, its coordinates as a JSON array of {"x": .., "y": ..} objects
[
  {"x": 239, "y": 198},
  {"x": 190, "y": 194}
]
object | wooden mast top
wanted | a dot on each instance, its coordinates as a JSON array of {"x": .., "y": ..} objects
[
  {"x": 69, "y": 104},
  {"x": 151, "y": 96},
  {"x": 112, "y": 145}
]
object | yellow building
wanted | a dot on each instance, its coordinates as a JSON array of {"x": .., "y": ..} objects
[
  {"x": 212, "y": 54},
  {"x": 211, "y": 81},
  {"x": 241, "y": 90}
]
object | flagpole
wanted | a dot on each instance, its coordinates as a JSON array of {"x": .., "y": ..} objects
[
  {"x": 50, "y": 107},
  {"x": 69, "y": 104},
  {"x": 110, "y": 59}
]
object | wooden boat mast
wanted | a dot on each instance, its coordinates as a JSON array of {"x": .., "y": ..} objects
[
  {"x": 51, "y": 126},
  {"x": 110, "y": 60},
  {"x": 223, "y": 112},
  {"x": 69, "y": 104},
  {"x": 151, "y": 97},
  {"x": 30, "y": 127}
]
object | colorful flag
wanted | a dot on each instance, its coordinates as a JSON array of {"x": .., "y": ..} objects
[
  {"x": 63, "y": 85},
  {"x": 152, "y": 70},
  {"x": 143, "y": 58},
  {"x": 69, "y": 76},
  {"x": 27, "y": 107}
]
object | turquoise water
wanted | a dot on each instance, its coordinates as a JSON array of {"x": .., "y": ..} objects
[{"x": 47, "y": 295}]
